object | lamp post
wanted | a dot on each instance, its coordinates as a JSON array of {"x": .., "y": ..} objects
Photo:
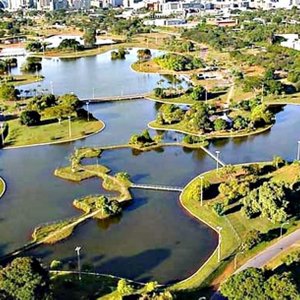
[
  {"x": 235, "y": 258},
  {"x": 51, "y": 87},
  {"x": 201, "y": 191},
  {"x": 70, "y": 128},
  {"x": 2, "y": 133},
  {"x": 77, "y": 250},
  {"x": 36, "y": 72},
  {"x": 93, "y": 93},
  {"x": 220, "y": 241},
  {"x": 218, "y": 155},
  {"x": 87, "y": 108},
  {"x": 262, "y": 92},
  {"x": 281, "y": 227},
  {"x": 298, "y": 151}
]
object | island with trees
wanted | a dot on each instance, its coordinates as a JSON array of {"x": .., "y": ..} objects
[{"x": 45, "y": 118}]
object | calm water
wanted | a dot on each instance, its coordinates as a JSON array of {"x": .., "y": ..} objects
[
  {"x": 81, "y": 76},
  {"x": 154, "y": 239}
]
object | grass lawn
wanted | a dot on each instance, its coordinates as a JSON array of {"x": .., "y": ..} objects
[
  {"x": 24, "y": 79},
  {"x": 20, "y": 135},
  {"x": 180, "y": 127},
  {"x": 284, "y": 99},
  {"x": 67, "y": 286},
  {"x": 234, "y": 225}
]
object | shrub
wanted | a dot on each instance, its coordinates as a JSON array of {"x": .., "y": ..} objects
[{"x": 30, "y": 118}]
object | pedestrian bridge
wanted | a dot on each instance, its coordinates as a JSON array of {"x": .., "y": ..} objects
[
  {"x": 113, "y": 98},
  {"x": 157, "y": 187}
]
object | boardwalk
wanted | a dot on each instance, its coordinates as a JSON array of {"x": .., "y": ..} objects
[
  {"x": 157, "y": 187},
  {"x": 114, "y": 98}
]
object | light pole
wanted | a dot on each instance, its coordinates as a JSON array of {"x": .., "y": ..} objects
[
  {"x": 218, "y": 155},
  {"x": 77, "y": 249},
  {"x": 281, "y": 227},
  {"x": 93, "y": 93},
  {"x": 262, "y": 92},
  {"x": 235, "y": 258},
  {"x": 298, "y": 151},
  {"x": 87, "y": 108},
  {"x": 36, "y": 72},
  {"x": 220, "y": 241},
  {"x": 205, "y": 95},
  {"x": 51, "y": 87},
  {"x": 2, "y": 133},
  {"x": 201, "y": 191},
  {"x": 70, "y": 128}
]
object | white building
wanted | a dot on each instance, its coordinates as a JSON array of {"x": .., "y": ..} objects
[{"x": 291, "y": 41}]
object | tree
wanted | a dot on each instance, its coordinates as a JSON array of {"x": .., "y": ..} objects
[
  {"x": 8, "y": 92},
  {"x": 260, "y": 115},
  {"x": 252, "y": 239},
  {"x": 143, "y": 54},
  {"x": 89, "y": 37},
  {"x": 31, "y": 65},
  {"x": 25, "y": 279},
  {"x": 30, "y": 118},
  {"x": 220, "y": 124},
  {"x": 278, "y": 161},
  {"x": 70, "y": 44},
  {"x": 281, "y": 286},
  {"x": 35, "y": 46},
  {"x": 70, "y": 101},
  {"x": 124, "y": 288},
  {"x": 198, "y": 93},
  {"x": 247, "y": 284}
]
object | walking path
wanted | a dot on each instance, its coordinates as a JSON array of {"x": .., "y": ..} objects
[
  {"x": 157, "y": 187},
  {"x": 114, "y": 98},
  {"x": 271, "y": 252}
]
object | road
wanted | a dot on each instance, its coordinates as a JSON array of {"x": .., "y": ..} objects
[
  {"x": 261, "y": 259},
  {"x": 271, "y": 252}
]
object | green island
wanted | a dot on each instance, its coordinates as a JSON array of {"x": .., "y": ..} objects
[
  {"x": 211, "y": 121},
  {"x": 45, "y": 119}
]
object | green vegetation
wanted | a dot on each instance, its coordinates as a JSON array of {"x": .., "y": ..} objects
[
  {"x": 119, "y": 54},
  {"x": 24, "y": 278},
  {"x": 8, "y": 93},
  {"x": 70, "y": 44},
  {"x": 32, "y": 65},
  {"x": 258, "y": 284},
  {"x": 176, "y": 62},
  {"x": 144, "y": 54},
  {"x": 226, "y": 194},
  {"x": 203, "y": 119},
  {"x": 49, "y": 132},
  {"x": 108, "y": 207},
  {"x": 144, "y": 140},
  {"x": 2, "y": 187},
  {"x": 38, "y": 123}
]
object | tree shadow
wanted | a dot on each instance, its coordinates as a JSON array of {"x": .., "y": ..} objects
[
  {"x": 137, "y": 265},
  {"x": 137, "y": 203}
]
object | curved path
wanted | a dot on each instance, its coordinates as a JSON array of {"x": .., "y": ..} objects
[{"x": 271, "y": 252}]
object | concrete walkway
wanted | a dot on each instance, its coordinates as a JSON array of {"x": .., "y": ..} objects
[{"x": 271, "y": 252}]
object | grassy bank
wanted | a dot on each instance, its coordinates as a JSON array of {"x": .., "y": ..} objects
[
  {"x": 50, "y": 131},
  {"x": 23, "y": 79},
  {"x": 216, "y": 134},
  {"x": 235, "y": 226},
  {"x": 67, "y": 286},
  {"x": 2, "y": 187}
]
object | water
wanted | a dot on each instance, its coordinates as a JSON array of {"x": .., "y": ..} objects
[
  {"x": 154, "y": 239},
  {"x": 95, "y": 75}
]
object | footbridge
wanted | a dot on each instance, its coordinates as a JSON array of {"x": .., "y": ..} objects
[
  {"x": 157, "y": 187},
  {"x": 114, "y": 98}
]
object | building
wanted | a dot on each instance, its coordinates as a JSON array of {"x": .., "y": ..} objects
[{"x": 290, "y": 41}]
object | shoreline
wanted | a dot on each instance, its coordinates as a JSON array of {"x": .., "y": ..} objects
[
  {"x": 57, "y": 142},
  {"x": 4, "y": 187},
  {"x": 241, "y": 135}
]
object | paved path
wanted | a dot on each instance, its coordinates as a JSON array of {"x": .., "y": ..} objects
[{"x": 271, "y": 252}]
